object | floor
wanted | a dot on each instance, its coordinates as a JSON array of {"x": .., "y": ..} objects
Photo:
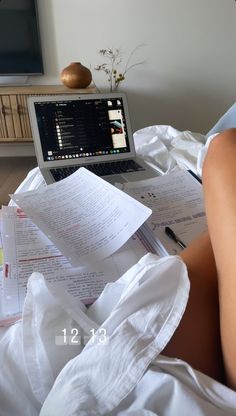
[{"x": 12, "y": 172}]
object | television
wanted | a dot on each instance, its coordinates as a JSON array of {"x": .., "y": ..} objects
[{"x": 20, "y": 46}]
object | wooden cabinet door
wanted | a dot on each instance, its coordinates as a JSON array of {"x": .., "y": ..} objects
[
  {"x": 8, "y": 116},
  {"x": 15, "y": 110},
  {"x": 24, "y": 117},
  {"x": 14, "y": 118},
  {"x": 3, "y": 127}
]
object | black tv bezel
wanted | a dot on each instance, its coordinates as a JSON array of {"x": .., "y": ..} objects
[{"x": 23, "y": 74}]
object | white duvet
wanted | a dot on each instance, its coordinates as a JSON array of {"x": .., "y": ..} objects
[{"x": 120, "y": 370}]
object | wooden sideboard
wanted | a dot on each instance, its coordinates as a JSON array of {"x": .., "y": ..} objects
[{"x": 14, "y": 118}]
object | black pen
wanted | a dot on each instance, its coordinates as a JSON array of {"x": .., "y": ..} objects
[{"x": 174, "y": 237}]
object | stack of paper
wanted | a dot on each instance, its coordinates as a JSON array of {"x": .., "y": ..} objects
[
  {"x": 82, "y": 232},
  {"x": 5, "y": 318},
  {"x": 79, "y": 232},
  {"x": 177, "y": 202}
]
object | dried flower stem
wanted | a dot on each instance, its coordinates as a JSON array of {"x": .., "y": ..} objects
[{"x": 110, "y": 68}]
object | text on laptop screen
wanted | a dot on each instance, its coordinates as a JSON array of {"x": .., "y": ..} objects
[{"x": 74, "y": 128}]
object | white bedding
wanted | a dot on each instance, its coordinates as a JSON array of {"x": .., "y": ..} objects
[{"x": 125, "y": 375}]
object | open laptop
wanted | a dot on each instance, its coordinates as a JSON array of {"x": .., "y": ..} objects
[{"x": 89, "y": 130}]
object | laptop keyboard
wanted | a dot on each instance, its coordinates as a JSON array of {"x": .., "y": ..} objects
[{"x": 100, "y": 169}]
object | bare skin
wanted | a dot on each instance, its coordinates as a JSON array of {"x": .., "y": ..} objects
[
  {"x": 197, "y": 338},
  {"x": 206, "y": 336}
]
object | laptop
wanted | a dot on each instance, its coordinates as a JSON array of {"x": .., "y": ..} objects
[{"x": 89, "y": 130}]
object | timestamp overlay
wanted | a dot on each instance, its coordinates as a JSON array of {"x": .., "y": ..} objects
[{"x": 75, "y": 336}]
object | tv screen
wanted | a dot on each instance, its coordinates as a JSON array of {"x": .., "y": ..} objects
[{"x": 20, "y": 49}]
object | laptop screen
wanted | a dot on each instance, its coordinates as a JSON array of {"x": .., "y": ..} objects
[{"x": 72, "y": 129}]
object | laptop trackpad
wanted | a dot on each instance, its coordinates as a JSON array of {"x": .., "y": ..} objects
[{"x": 114, "y": 178}]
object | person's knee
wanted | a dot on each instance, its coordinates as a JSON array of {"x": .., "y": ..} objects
[{"x": 221, "y": 152}]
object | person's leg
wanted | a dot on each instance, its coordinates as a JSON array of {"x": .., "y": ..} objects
[
  {"x": 197, "y": 338},
  {"x": 219, "y": 181},
  {"x": 200, "y": 326}
]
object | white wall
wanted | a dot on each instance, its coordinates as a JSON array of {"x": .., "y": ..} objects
[{"x": 189, "y": 76}]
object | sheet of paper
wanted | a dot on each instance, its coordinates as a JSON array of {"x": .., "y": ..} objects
[
  {"x": 85, "y": 217},
  {"x": 27, "y": 249},
  {"x": 176, "y": 201}
]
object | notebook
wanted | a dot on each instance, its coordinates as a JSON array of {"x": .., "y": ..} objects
[{"x": 89, "y": 130}]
